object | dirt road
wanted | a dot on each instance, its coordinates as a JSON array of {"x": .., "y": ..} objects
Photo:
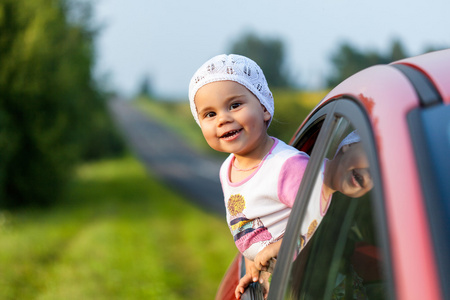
[{"x": 165, "y": 155}]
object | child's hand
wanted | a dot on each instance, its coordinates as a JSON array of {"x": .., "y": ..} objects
[
  {"x": 261, "y": 263},
  {"x": 251, "y": 275},
  {"x": 247, "y": 279},
  {"x": 262, "y": 259}
]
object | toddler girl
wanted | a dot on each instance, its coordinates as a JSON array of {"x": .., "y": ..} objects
[{"x": 231, "y": 101}]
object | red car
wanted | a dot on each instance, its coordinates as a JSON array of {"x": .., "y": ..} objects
[{"x": 393, "y": 242}]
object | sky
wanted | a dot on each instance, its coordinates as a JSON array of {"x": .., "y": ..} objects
[{"x": 167, "y": 40}]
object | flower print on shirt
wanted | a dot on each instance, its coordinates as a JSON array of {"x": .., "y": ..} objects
[{"x": 246, "y": 232}]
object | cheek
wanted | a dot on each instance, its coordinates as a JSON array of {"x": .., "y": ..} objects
[
  {"x": 207, "y": 130},
  {"x": 361, "y": 193},
  {"x": 340, "y": 180},
  {"x": 358, "y": 162},
  {"x": 359, "y": 158},
  {"x": 210, "y": 138}
]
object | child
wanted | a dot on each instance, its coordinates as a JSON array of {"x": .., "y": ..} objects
[
  {"x": 232, "y": 103},
  {"x": 347, "y": 172}
]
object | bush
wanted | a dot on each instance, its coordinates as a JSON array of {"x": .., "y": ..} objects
[
  {"x": 291, "y": 108},
  {"x": 48, "y": 100}
]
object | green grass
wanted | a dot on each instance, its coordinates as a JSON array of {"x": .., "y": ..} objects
[{"x": 119, "y": 235}]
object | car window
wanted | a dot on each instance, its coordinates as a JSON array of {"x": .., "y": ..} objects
[
  {"x": 430, "y": 128},
  {"x": 337, "y": 254}
]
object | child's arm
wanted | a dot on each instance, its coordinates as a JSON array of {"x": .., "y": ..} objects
[{"x": 262, "y": 259}]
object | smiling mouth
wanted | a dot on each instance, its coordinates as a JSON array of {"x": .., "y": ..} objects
[
  {"x": 359, "y": 179},
  {"x": 230, "y": 134}
]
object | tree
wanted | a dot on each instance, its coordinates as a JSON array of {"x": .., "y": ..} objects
[
  {"x": 397, "y": 51},
  {"x": 347, "y": 60},
  {"x": 145, "y": 88},
  {"x": 268, "y": 53},
  {"x": 50, "y": 107}
]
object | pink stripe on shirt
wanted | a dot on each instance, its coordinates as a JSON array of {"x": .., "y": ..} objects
[{"x": 290, "y": 178}]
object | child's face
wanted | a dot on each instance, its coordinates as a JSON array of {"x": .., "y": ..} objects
[
  {"x": 231, "y": 117},
  {"x": 352, "y": 176}
]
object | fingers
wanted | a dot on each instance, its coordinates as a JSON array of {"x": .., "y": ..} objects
[
  {"x": 266, "y": 293},
  {"x": 252, "y": 271},
  {"x": 254, "y": 274},
  {"x": 238, "y": 292},
  {"x": 271, "y": 264},
  {"x": 243, "y": 283},
  {"x": 266, "y": 265},
  {"x": 261, "y": 264}
]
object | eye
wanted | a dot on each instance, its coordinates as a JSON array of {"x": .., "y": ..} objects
[
  {"x": 209, "y": 114},
  {"x": 235, "y": 105}
]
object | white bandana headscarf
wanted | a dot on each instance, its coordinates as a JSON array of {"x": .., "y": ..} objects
[
  {"x": 235, "y": 68},
  {"x": 351, "y": 138}
]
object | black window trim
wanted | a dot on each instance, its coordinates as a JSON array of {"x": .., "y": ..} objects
[{"x": 425, "y": 89}]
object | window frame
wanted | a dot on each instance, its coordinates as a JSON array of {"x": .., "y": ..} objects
[
  {"x": 347, "y": 107},
  {"x": 425, "y": 123}
]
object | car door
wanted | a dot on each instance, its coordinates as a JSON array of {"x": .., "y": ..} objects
[{"x": 342, "y": 252}]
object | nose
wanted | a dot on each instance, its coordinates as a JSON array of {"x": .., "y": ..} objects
[{"x": 223, "y": 118}]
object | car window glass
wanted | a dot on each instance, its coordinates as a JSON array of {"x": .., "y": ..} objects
[{"x": 337, "y": 255}]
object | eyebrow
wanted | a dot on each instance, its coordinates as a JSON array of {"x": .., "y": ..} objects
[{"x": 201, "y": 112}]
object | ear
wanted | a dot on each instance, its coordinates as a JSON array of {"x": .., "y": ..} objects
[
  {"x": 345, "y": 148},
  {"x": 267, "y": 115}
]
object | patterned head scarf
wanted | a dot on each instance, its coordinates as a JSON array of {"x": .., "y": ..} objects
[
  {"x": 235, "y": 68},
  {"x": 351, "y": 138}
]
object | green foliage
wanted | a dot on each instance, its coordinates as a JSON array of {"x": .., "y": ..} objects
[
  {"x": 119, "y": 234},
  {"x": 269, "y": 54},
  {"x": 291, "y": 109},
  {"x": 347, "y": 60},
  {"x": 48, "y": 101},
  {"x": 145, "y": 87}
]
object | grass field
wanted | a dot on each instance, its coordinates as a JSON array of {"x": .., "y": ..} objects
[{"x": 119, "y": 235}]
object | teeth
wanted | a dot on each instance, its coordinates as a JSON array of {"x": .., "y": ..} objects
[
  {"x": 358, "y": 178},
  {"x": 231, "y": 133}
]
